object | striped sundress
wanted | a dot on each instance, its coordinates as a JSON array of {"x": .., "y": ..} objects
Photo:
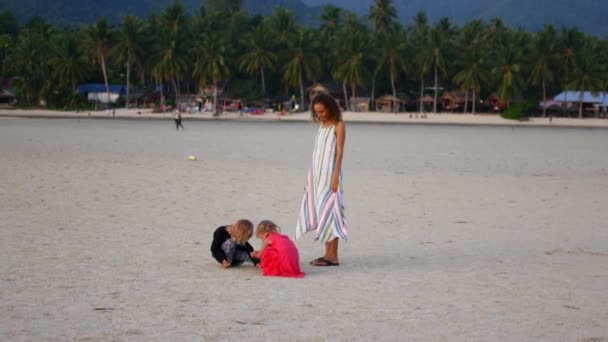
[{"x": 322, "y": 210}]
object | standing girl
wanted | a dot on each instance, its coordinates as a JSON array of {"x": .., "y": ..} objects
[
  {"x": 278, "y": 255},
  {"x": 322, "y": 207}
]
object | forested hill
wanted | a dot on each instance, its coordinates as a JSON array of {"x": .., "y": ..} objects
[
  {"x": 78, "y": 12},
  {"x": 587, "y": 15}
]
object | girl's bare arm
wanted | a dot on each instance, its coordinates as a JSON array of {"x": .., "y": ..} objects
[{"x": 340, "y": 138}]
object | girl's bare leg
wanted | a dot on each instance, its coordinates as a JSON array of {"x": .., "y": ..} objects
[{"x": 331, "y": 250}]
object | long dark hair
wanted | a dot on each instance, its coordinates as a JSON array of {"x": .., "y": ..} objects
[{"x": 335, "y": 114}]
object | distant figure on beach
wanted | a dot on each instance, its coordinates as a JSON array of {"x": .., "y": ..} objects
[
  {"x": 278, "y": 255},
  {"x": 322, "y": 207},
  {"x": 178, "y": 120},
  {"x": 230, "y": 246}
]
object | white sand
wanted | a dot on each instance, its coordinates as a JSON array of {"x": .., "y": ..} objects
[
  {"x": 458, "y": 233},
  {"x": 484, "y": 119}
]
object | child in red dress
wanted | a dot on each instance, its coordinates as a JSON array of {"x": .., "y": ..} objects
[{"x": 278, "y": 255}]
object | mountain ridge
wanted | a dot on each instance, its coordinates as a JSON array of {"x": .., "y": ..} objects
[{"x": 587, "y": 15}]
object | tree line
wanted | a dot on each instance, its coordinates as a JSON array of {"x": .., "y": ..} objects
[{"x": 272, "y": 56}]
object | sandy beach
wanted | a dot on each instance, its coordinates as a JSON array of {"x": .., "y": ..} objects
[
  {"x": 408, "y": 118},
  {"x": 458, "y": 232}
]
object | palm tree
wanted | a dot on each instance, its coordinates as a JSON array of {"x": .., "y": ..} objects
[
  {"x": 302, "y": 61},
  {"x": 471, "y": 74},
  {"x": 392, "y": 52},
  {"x": 171, "y": 60},
  {"x": 98, "y": 41},
  {"x": 471, "y": 69},
  {"x": 5, "y": 42},
  {"x": 29, "y": 59},
  {"x": 330, "y": 23},
  {"x": 419, "y": 44},
  {"x": 351, "y": 62},
  {"x": 210, "y": 50},
  {"x": 589, "y": 73},
  {"x": 67, "y": 60},
  {"x": 128, "y": 49},
  {"x": 544, "y": 57},
  {"x": 383, "y": 15},
  {"x": 437, "y": 45},
  {"x": 260, "y": 55},
  {"x": 283, "y": 22},
  {"x": 508, "y": 67},
  {"x": 569, "y": 42}
]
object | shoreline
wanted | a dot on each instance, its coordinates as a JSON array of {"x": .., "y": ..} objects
[{"x": 407, "y": 118}]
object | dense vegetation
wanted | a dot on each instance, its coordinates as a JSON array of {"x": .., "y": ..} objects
[
  {"x": 587, "y": 15},
  {"x": 254, "y": 57}
]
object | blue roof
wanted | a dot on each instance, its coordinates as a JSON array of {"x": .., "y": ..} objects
[
  {"x": 588, "y": 97},
  {"x": 101, "y": 88}
]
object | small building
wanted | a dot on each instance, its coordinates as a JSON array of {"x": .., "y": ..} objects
[
  {"x": 317, "y": 89},
  {"x": 497, "y": 105},
  {"x": 359, "y": 104},
  {"x": 7, "y": 97},
  {"x": 98, "y": 92},
  {"x": 456, "y": 101},
  {"x": 389, "y": 104},
  {"x": 595, "y": 102}
]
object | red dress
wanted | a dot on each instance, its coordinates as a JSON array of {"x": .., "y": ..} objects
[{"x": 280, "y": 258}]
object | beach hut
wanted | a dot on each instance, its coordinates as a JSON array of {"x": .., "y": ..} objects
[
  {"x": 316, "y": 89},
  {"x": 97, "y": 92},
  {"x": 7, "y": 97},
  {"x": 359, "y": 104},
  {"x": 456, "y": 101},
  {"x": 389, "y": 104},
  {"x": 588, "y": 101},
  {"x": 497, "y": 105},
  {"x": 427, "y": 102}
]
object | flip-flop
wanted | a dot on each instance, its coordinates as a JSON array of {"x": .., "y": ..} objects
[
  {"x": 316, "y": 260},
  {"x": 324, "y": 262}
]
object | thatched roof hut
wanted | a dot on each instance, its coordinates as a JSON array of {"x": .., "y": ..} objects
[
  {"x": 389, "y": 104},
  {"x": 453, "y": 100},
  {"x": 6, "y": 97},
  {"x": 317, "y": 89},
  {"x": 359, "y": 104}
]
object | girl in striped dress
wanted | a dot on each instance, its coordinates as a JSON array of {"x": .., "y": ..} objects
[{"x": 322, "y": 209}]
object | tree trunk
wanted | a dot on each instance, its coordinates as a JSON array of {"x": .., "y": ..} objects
[
  {"x": 474, "y": 102},
  {"x": 128, "y": 82},
  {"x": 466, "y": 101},
  {"x": 354, "y": 99},
  {"x": 544, "y": 98},
  {"x": 345, "y": 96},
  {"x": 580, "y": 104},
  {"x": 302, "y": 92},
  {"x": 421, "y": 96},
  {"x": 105, "y": 78},
  {"x": 215, "y": 107},
  {"x": 373, "y": 108},
  {"x": 395, "y": 103},
  {"x": 263, "y": 83},
  {"x": 435, "y": 99}
]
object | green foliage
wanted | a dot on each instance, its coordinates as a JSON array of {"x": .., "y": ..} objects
[
  {"x": 275, "y": 56},
  {"x": 518, "y": 111}
]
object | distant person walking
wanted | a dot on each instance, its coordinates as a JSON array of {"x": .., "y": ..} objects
[{"x": 178, "y": 120}]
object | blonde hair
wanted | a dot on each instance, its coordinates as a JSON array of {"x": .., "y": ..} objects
[
  {"x": 266, "y": 227},
  {"x": 241, "y": 231}
]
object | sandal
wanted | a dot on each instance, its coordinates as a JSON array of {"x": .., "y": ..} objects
[
  {"x": 316, "y": 260},
  {"x": 324, "y": 262}
]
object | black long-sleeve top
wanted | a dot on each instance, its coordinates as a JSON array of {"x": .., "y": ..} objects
[{"x": 219, "y": 237}]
